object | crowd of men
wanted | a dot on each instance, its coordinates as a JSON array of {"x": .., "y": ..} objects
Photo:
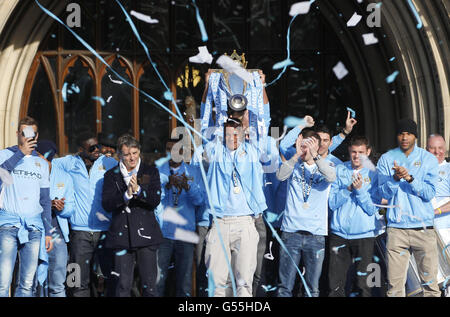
[{"x": 98, "y": 214}]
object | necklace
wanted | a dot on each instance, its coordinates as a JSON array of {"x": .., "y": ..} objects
[{"x": 306, "y": 192}]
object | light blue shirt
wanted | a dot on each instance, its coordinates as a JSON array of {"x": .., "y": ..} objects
[
  {"x": 442, "y": 192},
  {"x": 249, "y": 170},
  {"x": 354, "y": 213},
  {"x": 414, "y": 200},
  {"x": 89, "y": 214},
  {"x": 21, "y": 206},
  {"x": 187, "y": 201},
  {"x": 315, "y": 218},
  {"x": 61, "y": 186}
]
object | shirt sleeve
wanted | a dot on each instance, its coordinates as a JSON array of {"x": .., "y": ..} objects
[
  {"x": 388, "y": 186},
  {"x": 337, "y": 140},
  {"x": 289, "y": 141}
]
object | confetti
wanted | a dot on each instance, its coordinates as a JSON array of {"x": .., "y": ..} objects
[
  {"x": 160, "y": 162},
  {"x": 211, "y": 285},
  {"x": 115, "y": 273},
  {"x": 269, "y": 256},
  {"x": 416, "y": 14},
  {"x": 120, "y": 253},
  {"x": 283, "y": 64},
  {"x": 318, "y": 253},
  {"x": 367, "y": 163},
  {"x": 361, "y": 273},
  {"x": 201, "y": 25},
  {"x": 101, "y": 216},
  {"x": 300, "y": 8},
  {"x": 292, "y": 122},
  {"x": 141, "y": 235},
  {"x": 370, "y": 39},
  {"x": 102, "y": 101},
  {"x": 340, "y": 71},
  {"x": 269, "y": 288},
  {"x": 352, "y": 112},
  {"x": 391, "y": 78},
  {"x": 171, "y": 215},
  {"x": 186, "y": 236},
  {"x": 357, "y": 259},
  {"x": 119, "y": 82},
  {"x": 202, "y": 57},
  {"x": 230, "y": 66},
  {"x": 354, "y": 20},
  {"x": 336, "y": 249},
  {"x": 143, "y": 17}
]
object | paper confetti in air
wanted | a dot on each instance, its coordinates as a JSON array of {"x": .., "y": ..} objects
[
  {"x": 141, "y": 235},
  {"x": 391, "y": 78},
  {"x": 282, "y": 64},
  {"x": 269, "y": 256},
  {"x": 143, "y": 17},
  {"x": 102, "y": 101},
  {"x": 101, "y": 216},
  {"x": 370, "y": 39},
  {"x": 233, "y": 68},
  {"x": 361, "y": 273},
  {"x": 200, "y": 22},
  {"x": 367, "y": 163},
  {"x": 160, "y": 162},
  {"x": 292, "y": 122},
  {"x": 352, "y": 112},
  {"x": 319, "y": 252},
  {"x": 340, "y": 71},
  {"x": 336, "y": 249},
  {"x": 115, "y": 273},
  {"x": 109, "y": 99},
  {"x": 171, "y": 215},
  {"x": 354, "y": 20},
  {"x": 119, "y": 82},
  {"x": 357, "y": 259},
  {"x": 186, "y": 236},
  {"x": 268, "y": 288},
  {"x": 300, "y": 8},
  {"x": 202, "y": 57},
  {"x": 120, "y": 253},
  {"x": 416, "y": 14}
]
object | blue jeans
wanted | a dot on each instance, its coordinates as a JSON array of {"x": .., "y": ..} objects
[
  {"x": 312, "y": 248},
  {"x": 28, "y": 261},
  {"x": 184, "y": 256},
  {"x": 57, "y": 268}
]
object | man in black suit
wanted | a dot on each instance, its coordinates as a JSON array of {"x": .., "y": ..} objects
[{"x": 132, "y": 191}]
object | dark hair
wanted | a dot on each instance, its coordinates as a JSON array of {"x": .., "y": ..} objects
[
  {"x": 323, "y": 129},
  {"x": 27, "y": 121},
  {"x": 310, "y": 133},
  {"x": 129, "y": 141},
  {"x": 232, "y": 123},
  {"x": 359, "y": 141},
  {"x": 83, "y": 137}
]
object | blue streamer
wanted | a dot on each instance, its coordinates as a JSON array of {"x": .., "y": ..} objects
[
  {"x": 120, "y": 253},
  {"x": 352, "y": 112},
  {"x": 85, "y": 44},
  {"x": 391, "y": 78},
  {"x": 416, "y": 14},
  {"x": 201, "y": 25},
  {"x": 191, "y": 137},
  {"x": 284, "y": 64},
  {"x": 102, "y": 101}
]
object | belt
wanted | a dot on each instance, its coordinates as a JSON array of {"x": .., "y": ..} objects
[{"x": 305, "y": 233}]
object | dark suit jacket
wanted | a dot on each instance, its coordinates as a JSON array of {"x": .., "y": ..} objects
[{"x": 138, "y": 228}]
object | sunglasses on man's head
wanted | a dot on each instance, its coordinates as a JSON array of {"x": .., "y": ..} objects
[{"x": 93, "y": 147}]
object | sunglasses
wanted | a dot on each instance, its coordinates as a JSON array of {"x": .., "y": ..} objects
[{"x": 93, "y": 147}]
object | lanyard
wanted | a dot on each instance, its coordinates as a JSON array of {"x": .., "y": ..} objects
[{"x": 307, "y": 192}]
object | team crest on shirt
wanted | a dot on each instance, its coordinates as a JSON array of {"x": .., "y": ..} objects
[
  {"x": 442, "y": 173},
  {"x": 242, "y": 153},
  {"x": 101, "y": 168},
  {"x": 417, "y": 164},
  {"x": 367, "y": 180},
  {"x": 60, "y": 185},
  {"x": 37, "y": 164}
]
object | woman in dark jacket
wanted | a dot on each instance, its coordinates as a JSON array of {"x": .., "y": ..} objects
[{"x": 131, "y": 191}]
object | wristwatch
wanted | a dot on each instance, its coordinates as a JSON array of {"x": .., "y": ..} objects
[
  {"x": 344, "y": 133},
  {"x": 318, "y": 157},
  {"x": 411, "y": 179}
]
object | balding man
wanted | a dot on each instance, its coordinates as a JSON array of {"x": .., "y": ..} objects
[{"x": 436, "y": 145}]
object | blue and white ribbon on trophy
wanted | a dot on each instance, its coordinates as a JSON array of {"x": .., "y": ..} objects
[{"x": 218, "y": 95}]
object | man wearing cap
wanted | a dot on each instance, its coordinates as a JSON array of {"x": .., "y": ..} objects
[{"x": 407, "y": 176}]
